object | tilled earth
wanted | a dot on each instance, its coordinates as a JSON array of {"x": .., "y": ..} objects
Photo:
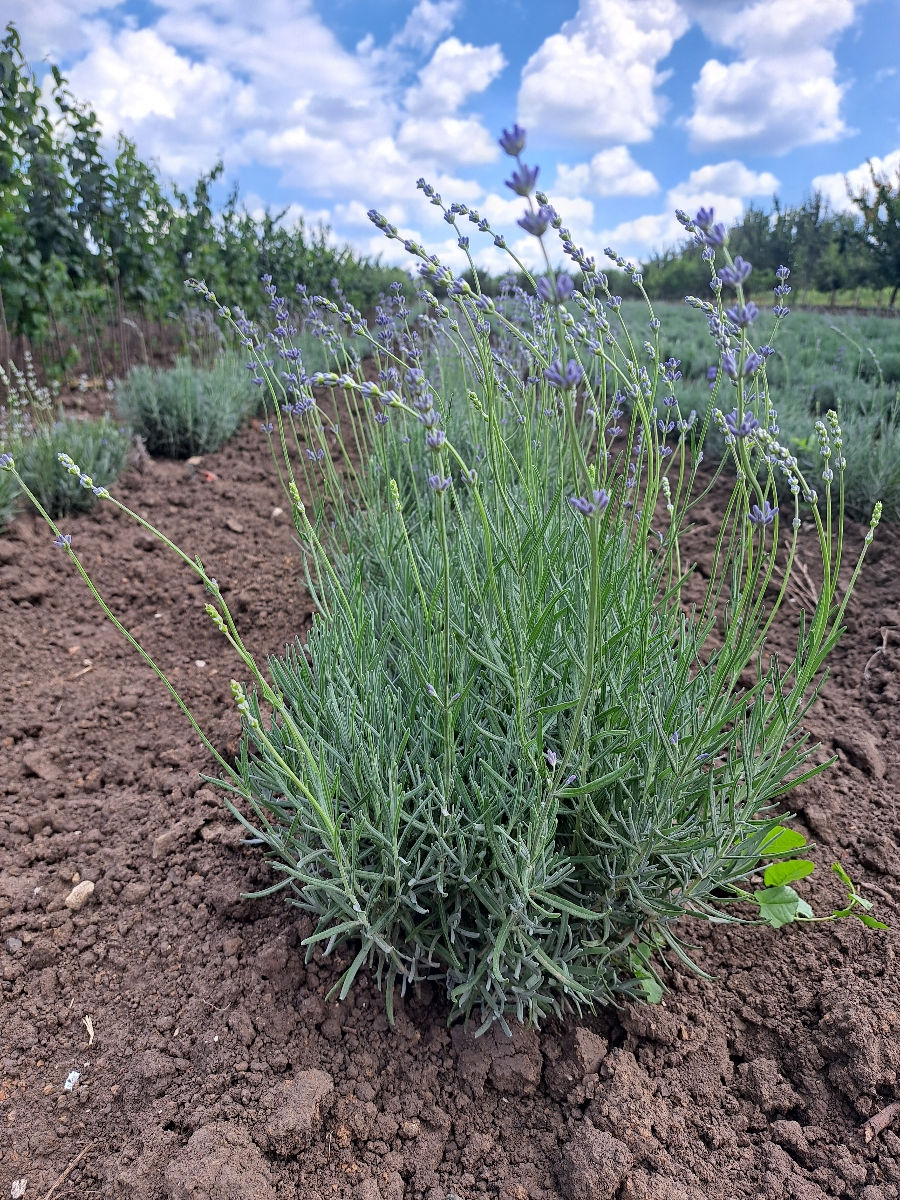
[{"x": 209, "y": 1063}]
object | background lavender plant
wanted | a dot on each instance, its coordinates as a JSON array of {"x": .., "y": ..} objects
[
  {"x": 34, "y": 431},
  {"x": 185, "y": 409}
]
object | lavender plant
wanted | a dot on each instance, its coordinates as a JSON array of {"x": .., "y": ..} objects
[
  {"x": 34, "y": 431},
  {"x": 187, "y": 409},
  {"x": 522, "y": 741}
]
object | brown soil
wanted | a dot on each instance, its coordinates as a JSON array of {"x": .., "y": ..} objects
[{"x": 210, "y": 1064}]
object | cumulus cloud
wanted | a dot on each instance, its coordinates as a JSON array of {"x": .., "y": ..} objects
[
  {"x": 782, "y": 90},
  {"x": 598, "y": 77},
  {"x": 427, "y": 24},
  {"x": 462, "y": 140},
  {"x": 456, "y": 71},
  {"x": 834, "y": 186},
  {"x": 611, "y": 172},
  {"x": 724, "y": 186}
]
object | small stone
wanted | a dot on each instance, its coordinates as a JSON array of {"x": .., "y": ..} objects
[
  {"x": 410, "y": 1129},
  {"x": 276, "y": 513},
  {"x": 234, "y": 525},
  {"x": 79, "y": 895},
  {"x": 13, "y": 944}
]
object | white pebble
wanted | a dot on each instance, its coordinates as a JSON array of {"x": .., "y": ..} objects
[{"x": 79, "y": 895}]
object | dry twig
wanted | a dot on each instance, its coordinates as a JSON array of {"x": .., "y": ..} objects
[
  {"x": 879, "y": 1122},
  {"x": 69, "y": 1169}
]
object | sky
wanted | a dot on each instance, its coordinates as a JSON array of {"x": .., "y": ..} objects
[{"x": 632, "y": 108}]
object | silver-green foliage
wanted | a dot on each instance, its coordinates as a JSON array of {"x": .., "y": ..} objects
[
  {"x": 34, "y": 432},
  {"x": 523, "y": 740},
  {"x": 512, "y": 754},
  {"x": 185, "y": 409}
]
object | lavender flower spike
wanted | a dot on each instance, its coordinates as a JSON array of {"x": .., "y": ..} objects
[
  {"x": 512, "y": 141},
  {"x": 747, "y": 425},
  {"x": 736, "y": 273},
  {"x": 563, "y": 379},
  {"x": 537, "y": 223},
  {"x": 587, "y": 508},
  {"x": 6, "y": 462},
  {"x": 523, "y": 179},
  {"x": 565, "y": 286},
  {"x": 762, "y": 516},
  {"x": 439, "y": 483},
  {"x": 62, "y": 540}
]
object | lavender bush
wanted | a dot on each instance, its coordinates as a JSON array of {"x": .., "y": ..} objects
[{"x": 522, "y": 742}]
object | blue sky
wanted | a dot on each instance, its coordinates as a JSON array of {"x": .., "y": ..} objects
[{"x": 633, "y": 107}]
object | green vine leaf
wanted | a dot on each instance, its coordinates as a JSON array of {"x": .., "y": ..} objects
[{"x": 787, "y": 872}]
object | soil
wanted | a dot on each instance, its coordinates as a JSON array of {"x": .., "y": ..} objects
[{"x": 209, "y": 1062}]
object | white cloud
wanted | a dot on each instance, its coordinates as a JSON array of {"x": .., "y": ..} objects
[
  {"x": 834, "y": 186},
  {"x": 427, "y": 24},
  {"x": 456, "y": 71},
  {"x": 597, "y": 78},
  {"x": 723, "y": 186},
  {"x": 59, "y": 27},
  {"x": 611, "y": 172},
  {"x": 461, "y": 140},
  {"x": 782, "y": 90}
]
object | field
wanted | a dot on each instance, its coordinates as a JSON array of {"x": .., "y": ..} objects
[{"x": 210, "y": 1062}]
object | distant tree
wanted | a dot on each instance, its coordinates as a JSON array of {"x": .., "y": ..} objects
[{"x": 880, "y": 211}]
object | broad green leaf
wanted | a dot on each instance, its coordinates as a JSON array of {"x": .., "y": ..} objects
[
  {"x": 777, "y": 905},
  {"x": 786, "y": 872},
  {"x": 782, "y": 841}
]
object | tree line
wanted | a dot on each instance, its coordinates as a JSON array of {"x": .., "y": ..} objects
[
  {"x": 80, "y": 233},
  {"x": 827, "y": 251}
]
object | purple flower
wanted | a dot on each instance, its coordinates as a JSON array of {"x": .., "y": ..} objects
[
  {"x": 744, "y": 428},
  {"x": 781, "y": 310},
  {"x": 736, "y": 273},
  {"x": 512, "y": 141},
  {"x": 439, "y": 483},
  {"x": 523, "y": 179},
  {"x": 266, "y": 427},
  {"x": 537, "y": 223},
  {"x": 762, "y": 516},
  {"x": 550, "y": 756},
  {"x": 6, "y": 462},
  {"x": 435, "y": 438},
  {"x": 588, "y": 508},
  {"x": 565, "y": 286},
  {"x": 315, "y": 455},
  {"x": 563, "y": 379},
  {"x": 429, "y": 689},
  {"x": 704, "y": 217},
  {"x": 752, "y": 363},
  {"x": 782, "y": 272},
  {"x": 743, "y": 315},
  {"x": 381, "y": 418},
  {"x": 729, "y": 364},
  {"x": 715, "y": 235},
  {"x": 712, "y": 375},
  {"x": 62, "y": 540}
]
